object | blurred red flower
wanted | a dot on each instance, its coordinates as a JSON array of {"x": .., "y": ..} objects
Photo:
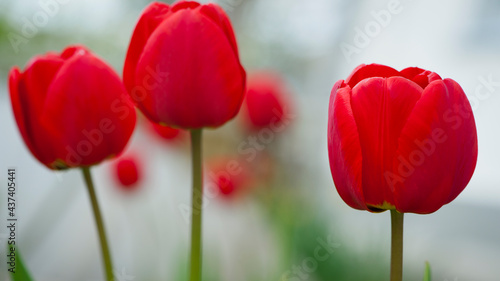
[
  {"x": 266, "y": 101},
  {"x": 128, "y": 172},
  {"x": 165, "y": 133},
  {"x": 182, "y": 67},
  {"x": 231, "y": 177},
  {"x": 403, "y": 140},
  {"x": 71, "y": 108}
]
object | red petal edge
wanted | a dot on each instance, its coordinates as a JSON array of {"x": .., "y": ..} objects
[
  {"x": 344, "y": 148},
  {"x": 150, "y": 18}
]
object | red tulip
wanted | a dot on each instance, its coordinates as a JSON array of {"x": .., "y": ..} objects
[
  {"x": 127, "y": 171},
  {"x": 403, "y": 140},
  {"x": 266, "y": 101},
  {"x": 182, "y": 67},
  {"x": 71, "y": 109}
]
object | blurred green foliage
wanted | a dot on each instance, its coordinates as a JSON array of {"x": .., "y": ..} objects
[
  {"x": 427, "y": 273},
  {"x": 300, "y": 228}
]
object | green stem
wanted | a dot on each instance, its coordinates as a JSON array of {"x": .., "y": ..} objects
[
  {"x": 396, "y": 246},
  {"x": 100, "y": 225},
  {"x": 196, "y": 207}
]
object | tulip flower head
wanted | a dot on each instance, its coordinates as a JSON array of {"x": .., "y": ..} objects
[
  {"x": 266, "y": 101},
  {"x": 72, "y": 109},
  {"x": 182, "y": 67},
  {"x": 403, "y": 140}
]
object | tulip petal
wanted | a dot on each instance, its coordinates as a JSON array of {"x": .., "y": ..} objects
[
  {"x": 217, "y": 14},
  {"x": 344, "y": 149},
  {"x": 103, "y": 130},
  {"x": 185, "y": 5},
  {"x": 371, "y": 70},
  {"x": 152, "y": 16},
  {"x": 381, "y": 107},
  {"x": 201, "y": 82},
  {"x": 467, "y": 132},
  {"x": 420, "y": 76},
  {"x": 32, "y": 89},
  {"x": 17, "y": 108},
  {"x": 437, "y": 150}
]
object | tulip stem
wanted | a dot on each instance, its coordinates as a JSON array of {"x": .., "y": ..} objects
[
  {"x": 100, "y": 225},
  {"x": 396, "y": 246},
  {"x": 196, "y": 207}
]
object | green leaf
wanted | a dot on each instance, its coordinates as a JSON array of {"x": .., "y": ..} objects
[
  {"x": 15, "y": 265},
  {"x": 427, "y": 273}
]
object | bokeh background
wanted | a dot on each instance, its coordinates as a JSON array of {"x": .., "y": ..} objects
[{"x": 275, "y": 225}]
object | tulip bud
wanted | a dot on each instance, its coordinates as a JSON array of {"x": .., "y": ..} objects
[
  {"x": 403, "y": 140},
  {"x": 182, "y": 67},
  {"x": 71, "y": 108}
]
